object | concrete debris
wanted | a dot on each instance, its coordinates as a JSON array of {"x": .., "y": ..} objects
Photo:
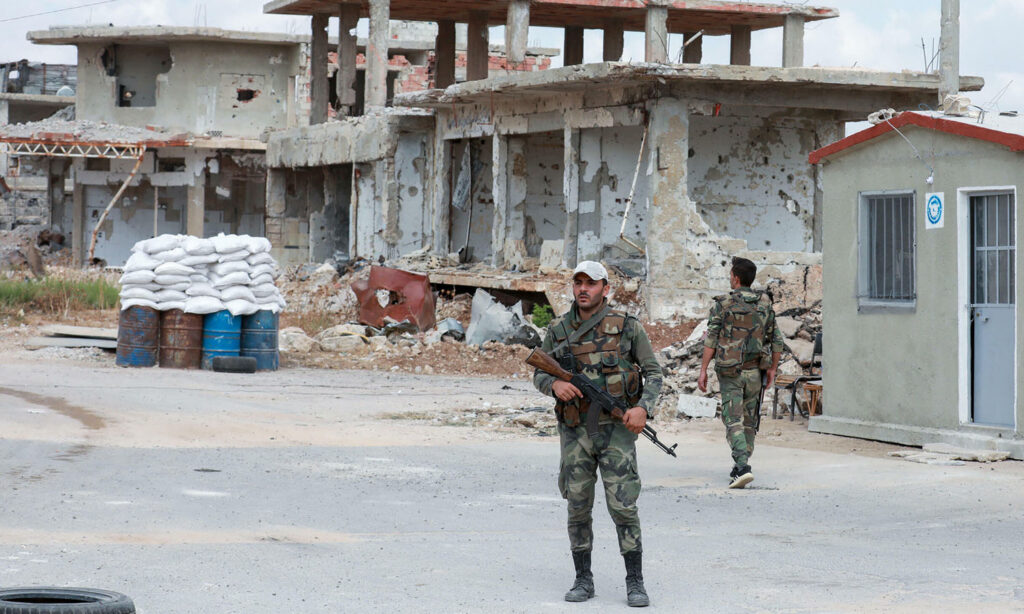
[
  {"x": 450, "y": 328},
  {"x": 978, "y": 456},
  {"x": 492, "y": 321},
  {"x": 294, "y": 339},
  {"x": 82, "y": 130},
  {"x": 551, "y": 256},
  {"x": 926, "y": 458},
  {"x": 693, "y": 406}
]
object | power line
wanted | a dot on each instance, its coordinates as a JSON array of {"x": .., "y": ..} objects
[{"x": 70, "y": 8}]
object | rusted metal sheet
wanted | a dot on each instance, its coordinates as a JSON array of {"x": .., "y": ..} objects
[
  {"x": 181, "y": 339},
  {"x": 138, "y": 336},
  {"x": 396, "y": 294}
]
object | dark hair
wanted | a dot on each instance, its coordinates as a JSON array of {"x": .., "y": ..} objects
[{"x": 744, "y": 270}]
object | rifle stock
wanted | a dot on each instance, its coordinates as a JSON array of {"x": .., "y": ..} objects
[{"x": 538, "y": 359}]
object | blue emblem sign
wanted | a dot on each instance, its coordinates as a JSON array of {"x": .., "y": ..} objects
[{"x": 934, "y": 210}]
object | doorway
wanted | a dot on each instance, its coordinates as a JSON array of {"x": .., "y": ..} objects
[{"x": 993, "y": 308}]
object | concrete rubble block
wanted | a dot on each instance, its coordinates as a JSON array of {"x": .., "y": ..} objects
[
  {"x": 790, "y": 367},
  {"x": 802, "y": 350},
  {"x": 788, "y": 326},
  {"x": 926, "y": 458},
  {"x": 323, "y": 275},
  {"x": 698, "y": 332},
  {"x": 515, "y": 254},
  {"x": 955, "y": 453},
  {"x": 551, "y": 256},
  {"x": 492, "y": 321},
  {"x": 696, "y": 406},
  {"x": 349, "y": 344},
  {"x": 342, "y": 330},
  {"x": 294, "y": 339}
]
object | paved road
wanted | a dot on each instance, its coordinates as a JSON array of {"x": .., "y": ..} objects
[{"x": 291, "y": 492}]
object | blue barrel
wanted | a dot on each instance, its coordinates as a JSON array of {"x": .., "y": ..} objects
[
  {"x": 259, "y": 339},
  {"x": 222, "y": 334},
  {"x": 138, "y": 337}
]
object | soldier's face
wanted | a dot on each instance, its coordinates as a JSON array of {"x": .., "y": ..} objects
[{"x": 588, "y": 292}]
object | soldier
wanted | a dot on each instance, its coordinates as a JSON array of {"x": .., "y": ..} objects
[
  {"x": 741, "y": 329},
  {"x": 612, "y": 349}
]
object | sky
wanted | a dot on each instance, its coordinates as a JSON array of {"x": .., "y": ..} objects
[{"x": 879, "y": 34}]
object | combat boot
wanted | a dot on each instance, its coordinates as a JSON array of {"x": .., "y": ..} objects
[
  {"x": 742, "y": 476},
  {"x": 636, "y": 595},
  {"x": 583, "y": 588}
]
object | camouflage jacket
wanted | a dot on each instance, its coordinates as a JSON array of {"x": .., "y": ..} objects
[
  {"x": 615, "y": 354},
  {"x": 742, "y": 330}
]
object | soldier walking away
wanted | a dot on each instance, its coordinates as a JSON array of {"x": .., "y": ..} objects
[
  {"x": 741, "y": 333},
  {"x": 611, "y": 349}
]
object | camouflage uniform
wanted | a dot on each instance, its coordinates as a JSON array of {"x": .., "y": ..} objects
[
  {"x": 742, "y": 330},
  {"x": 614, "y": 355}
]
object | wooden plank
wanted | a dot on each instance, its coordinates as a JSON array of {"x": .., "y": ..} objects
[
  {"x": 36, "y": 343},
  {"x": 60, "y": 330}
]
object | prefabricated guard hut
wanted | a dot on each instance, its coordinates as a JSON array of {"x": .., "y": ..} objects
[{"x": 922, "y": 302}]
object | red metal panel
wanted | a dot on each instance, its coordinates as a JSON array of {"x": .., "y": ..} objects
[{"x": 410, "y": 298}]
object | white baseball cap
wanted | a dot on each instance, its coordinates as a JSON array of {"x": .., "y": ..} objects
[{"x": 593, "y": 270}]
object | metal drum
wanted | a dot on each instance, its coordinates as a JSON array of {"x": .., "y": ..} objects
[
  {"x": 181, "y": 339},
  {"x": 222, "y": 334},
  {"x": 259, "y": 339},
  {"x": 138, "y": 337}
]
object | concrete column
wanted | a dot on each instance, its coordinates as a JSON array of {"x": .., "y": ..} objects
[
  {"x": 949, "y": 50},
  {"x": 318, "y": 70},
  {"x": 444, "y": 71},
  {"x": 571, "y": 190},
  {"x": 55, "y": 191},
  {"x": 377, "y": 54},
  {"x": 614, "y": 41},
  {"x": 573, "y": 49},
  {"x": 517, "y": 31},
  {"x": 793, "y": 41},
  {"x": 739, "y": 46},
  {"x": 478, "y": 47},
  {"x": 273, "y": 221},
  {"x": 196, "y": 212},
  {"x": 499, "y": 194},
  {"x": 441, "y": 191},
  {"x": 672, "y": 214},
  {"x": 78, "y": 240},
  {"x": 347, "y": 50},
  {"x": 517, "y": 189},
  {"x": 656, "y": 34},
  {"x": 5, "y": 118},
  {"x": 694, "y": 52}
]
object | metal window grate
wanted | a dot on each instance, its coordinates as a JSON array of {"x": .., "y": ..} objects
[
  {"x": 993, "y": 259},
  {"x": 889, "y": 248}
]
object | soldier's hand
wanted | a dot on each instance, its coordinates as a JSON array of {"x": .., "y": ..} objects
[
  {"x": 635, "y": 419},
  {"x": 771, "y": 378},
  {"x": 566, "y": 391},
  {"x": 702, "y": 381}
]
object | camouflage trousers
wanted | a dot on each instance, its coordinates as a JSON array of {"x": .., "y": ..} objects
[
  {"x": 613, "y": 450},
  {"x": 739, "y": 412}
]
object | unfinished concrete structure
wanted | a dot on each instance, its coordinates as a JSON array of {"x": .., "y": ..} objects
[
  {"x": 189, "y": 105},
  {"x": 29, "y": 92},
  {"x": 520, "y": 164}
]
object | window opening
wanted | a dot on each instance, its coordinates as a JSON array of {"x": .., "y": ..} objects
[{"x": 888, "y": 249}]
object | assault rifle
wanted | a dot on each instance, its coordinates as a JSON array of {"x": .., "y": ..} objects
[
  {"x": 599, "y": 399},
  {"x": 760, "y": 401}
]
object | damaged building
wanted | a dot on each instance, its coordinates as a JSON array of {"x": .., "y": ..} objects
[
  {"x": 166, "y": 136},
  {"x": 662, "y": 168},
  {"x": 30, "y": 91}
]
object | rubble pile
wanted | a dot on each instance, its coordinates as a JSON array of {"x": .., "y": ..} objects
[{"x": 512, "y": 420}]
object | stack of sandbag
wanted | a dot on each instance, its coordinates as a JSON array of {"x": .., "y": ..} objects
[{"x": 232, "y": 272}]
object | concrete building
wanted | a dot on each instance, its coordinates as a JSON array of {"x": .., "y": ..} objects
[
  {"x": 922, "y": 295},
  {"x": 175, "y": 116},
  {"x": 29, "y": 92},
  {"x": 664, "y": 169}
]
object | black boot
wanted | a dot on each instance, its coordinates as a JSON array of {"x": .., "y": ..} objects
[
  {"x": 583, "y": 588},
  {"x": 636, "y": 595}
]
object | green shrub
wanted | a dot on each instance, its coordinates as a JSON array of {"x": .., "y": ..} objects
[
  {"x": 53, "y": 295},
  {"x": 542, "y": 315}
]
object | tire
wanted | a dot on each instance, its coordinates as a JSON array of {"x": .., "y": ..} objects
[
  {"x": 232, "y": 364},
  {"x": 53, "y": 600}
]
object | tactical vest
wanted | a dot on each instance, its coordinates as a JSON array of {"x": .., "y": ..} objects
[
  {"x": 604, "y": 359},
  {"x": 741, "y": 340}
]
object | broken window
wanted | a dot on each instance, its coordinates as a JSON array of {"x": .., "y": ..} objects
[
  {"x": 238, "y": 91},
  {"x": 887, "y": 249},
  {"x": 170, "y": 165},
  {"x": 135, "y": 67},
  {"x": 97, "y": 164}
]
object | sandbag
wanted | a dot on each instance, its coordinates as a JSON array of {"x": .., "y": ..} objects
[
  {"x": 141, "y": 261},
  {"x": 226, "y": 244},
  {"x": 163, "y": 243},
  {"x": 259, "y": 245},
  {"x": 263, "y": 269},
  {"x": 173, "y": 268},
  {"x": 198, "y": 259},
  {"x": 138, "y": 302},
  {"x": 203, "y": 289},
  {"x": 262, "y": 279},
  {"x": 203, "y": 305},
  {"x": 240, "y": 255},
  {"x": 164, "y": 296},
  {"x": 261, "y": 258},
  {"x": 237, "y": 278},
  {"x": 137, "y": 277},
  {"x": 226, "y": 268},
  {"x": 233, "y": 293},
  {"x": 194, "y": 246},
  {"x": 171, "y": 305},
  {"x": 264, "y": 290},
  {"x": 241, "y": 307},
  {"x": 142, "y": 293},
  {"x": 170, "y": 256},
  {"x": 170, "y": 280}
]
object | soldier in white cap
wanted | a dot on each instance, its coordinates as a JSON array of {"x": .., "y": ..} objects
[{"x": 612, "y": 350}]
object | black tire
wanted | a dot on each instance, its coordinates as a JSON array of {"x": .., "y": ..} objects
[
  {"x": 232, "y": 364},
  {"x": 53, "y": 600}
]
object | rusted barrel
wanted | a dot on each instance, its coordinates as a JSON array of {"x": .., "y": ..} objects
[
  {"x": 181, "y": 339},
  {"x": 138, "y": 337}
]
